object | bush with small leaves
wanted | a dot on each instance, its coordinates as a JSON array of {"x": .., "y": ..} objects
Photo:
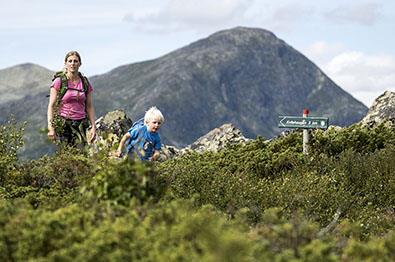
[{"x": 11, "y": 140}]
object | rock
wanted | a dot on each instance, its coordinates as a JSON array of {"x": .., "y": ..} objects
[
  {"x": 114, "y": 122},
  {"x": 110, "y": 128},
  {"x": 168, "y": 152},
  {"x": 335, "y": 128},
  {"x": 213, "y": 141},
  {"x": 382, "y": 111},
  {"x": 217, "y": 139}
]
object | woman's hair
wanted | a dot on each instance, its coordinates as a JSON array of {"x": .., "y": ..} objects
[
  {"x": 72, "y": 53},
  {"x": 153, "y": 113}
]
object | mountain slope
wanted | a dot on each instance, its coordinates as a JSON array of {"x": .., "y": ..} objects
[
  {"x": 244, "y": 76},
  {"x": 26, "y": 79},
  {"x": 23, "y": 91}
]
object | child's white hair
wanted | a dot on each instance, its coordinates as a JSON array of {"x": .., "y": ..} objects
[{"x": 153, "y": 113}]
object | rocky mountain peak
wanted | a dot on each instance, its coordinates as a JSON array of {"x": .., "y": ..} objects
[
  {"x": 25, "y": 79},
  {"x": 242, "y": 36},
  {"x": 24, "y": 70},
  {"x": 381, "y": 111}
]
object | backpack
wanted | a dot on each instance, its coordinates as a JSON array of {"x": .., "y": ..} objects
[
  {"x": 130, "y": 143},
  {"x": 64, "y": 84}
]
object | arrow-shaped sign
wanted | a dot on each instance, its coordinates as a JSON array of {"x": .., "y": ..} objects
[{"x": 303, "y": 122}]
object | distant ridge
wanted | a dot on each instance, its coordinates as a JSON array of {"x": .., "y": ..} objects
[{"x": 18, "y": 81}]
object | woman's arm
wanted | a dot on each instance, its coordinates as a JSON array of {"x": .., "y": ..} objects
[
  {"x": 50, "y": 113},
  {"x": 91, "y": 115}
]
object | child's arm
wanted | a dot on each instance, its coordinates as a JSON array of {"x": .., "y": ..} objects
[
  {"x": 157, "y": 148},
  {"x": 125, "y": 137}
]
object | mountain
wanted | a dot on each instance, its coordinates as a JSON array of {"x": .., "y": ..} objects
[
  {"x": 23, "y": 95},
  {"x": 244, "y": 76},
  {"x": 25, "y": 79}
]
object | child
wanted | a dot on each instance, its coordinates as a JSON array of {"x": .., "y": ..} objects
[{"x": 144, "y": 140}]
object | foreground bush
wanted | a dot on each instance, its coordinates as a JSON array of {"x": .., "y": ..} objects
[{"x": 175, "y": 231}]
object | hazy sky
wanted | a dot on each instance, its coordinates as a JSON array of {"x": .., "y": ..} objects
[{"x": 351, "y": 41}]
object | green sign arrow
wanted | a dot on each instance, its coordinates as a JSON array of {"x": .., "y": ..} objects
[{"x": 303, "y": 122}]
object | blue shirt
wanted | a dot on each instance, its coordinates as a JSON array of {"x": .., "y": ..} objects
[{"x": 143, "y": 142}]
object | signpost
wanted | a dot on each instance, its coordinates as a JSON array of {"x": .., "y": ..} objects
[{"x": 305, "y": 122}]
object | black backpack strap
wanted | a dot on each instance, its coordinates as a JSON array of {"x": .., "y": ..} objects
[{"x": 75, "y": 89}]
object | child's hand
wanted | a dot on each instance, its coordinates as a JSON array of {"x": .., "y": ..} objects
[{"x": 155, "y": 156}]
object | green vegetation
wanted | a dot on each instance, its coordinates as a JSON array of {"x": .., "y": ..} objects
[{"x": 263, "y": 201}]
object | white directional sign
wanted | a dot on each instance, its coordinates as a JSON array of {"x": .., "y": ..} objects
[{"x": 303, "y": 122}]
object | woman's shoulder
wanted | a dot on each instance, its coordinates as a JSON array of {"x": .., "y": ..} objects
[{"x": 56, "y": 83}]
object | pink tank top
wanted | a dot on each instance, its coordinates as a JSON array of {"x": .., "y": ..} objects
[{"x": 72, "y": 105}]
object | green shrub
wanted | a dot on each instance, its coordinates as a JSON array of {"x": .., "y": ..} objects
[
  {"x": 118, "y": 182},
  {"x": 377, "y": 249},
  {"x": 11, "y": 140},
  {"x": 357, "y": 138},
  {"x": 262, "y": 175},
  {"x": 50, "y": 181}
]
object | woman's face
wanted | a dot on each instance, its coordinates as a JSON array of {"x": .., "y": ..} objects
[{"x": 73, "y": 63}]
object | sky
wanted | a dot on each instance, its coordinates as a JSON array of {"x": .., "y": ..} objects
[{"x": 353, "y": 42}]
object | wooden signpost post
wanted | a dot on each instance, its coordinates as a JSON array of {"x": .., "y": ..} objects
[{"x": 305, "y": 122}]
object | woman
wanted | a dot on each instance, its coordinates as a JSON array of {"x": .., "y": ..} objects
[{"x": 70, "y": 107}]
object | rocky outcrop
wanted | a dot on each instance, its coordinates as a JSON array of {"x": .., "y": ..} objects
[
  {"x": 168, "y": 152},
  {"x": 110, "y": 128},
  {"x": 114, "y": 122},
  {"x": 382, "y": 111},
  {"x": 213, "y": 141},
  {"x": 217, "y": 139}
]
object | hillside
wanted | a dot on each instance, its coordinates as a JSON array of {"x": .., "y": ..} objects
[
  {"x": 23, "y": 95},
  {"x": 243, "y": 76}
]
